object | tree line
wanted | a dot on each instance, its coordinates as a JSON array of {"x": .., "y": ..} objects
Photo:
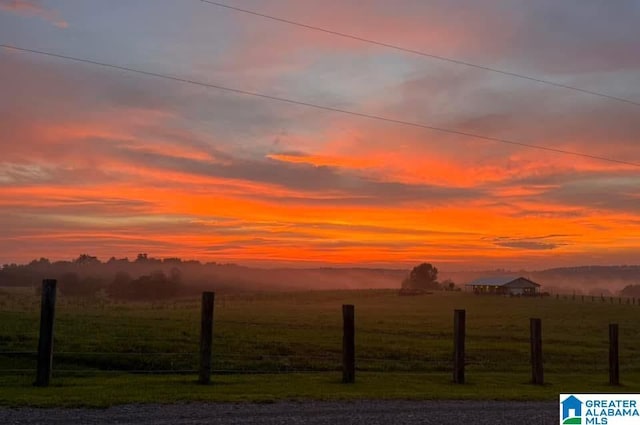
[
  {"x": 424, "y": 278},
  {"x": 144, "y": 278}
]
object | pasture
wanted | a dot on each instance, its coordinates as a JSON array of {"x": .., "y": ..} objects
[{"x": 271, "y": 346}]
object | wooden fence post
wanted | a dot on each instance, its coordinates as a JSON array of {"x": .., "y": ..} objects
[
  {"x": 614, "y": 355},
  {"x": 459, "y": 331},
  {"x": 348, "y": 344},
  {"x": 206, "y": 337},
  {"x": 45, "y": 342},
  {"x": 537, "y": 374}
]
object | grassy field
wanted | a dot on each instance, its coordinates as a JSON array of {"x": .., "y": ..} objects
[{"x": 287, "y": 346}]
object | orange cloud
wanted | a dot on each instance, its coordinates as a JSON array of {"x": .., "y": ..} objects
[{"x": 93, "y": 162}]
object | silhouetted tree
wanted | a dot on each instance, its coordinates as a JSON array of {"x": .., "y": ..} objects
[
  {"x": 424, "y": 276},
  {"x": 87, "y": 259},
  {"x": 120, "y": 288},
  {"x": 448, "y": 285},
  {"x": 68, "y": 283},
  {"x": 175, "y": 276},
  {"x": 172, "y": 260},
  {"x": 42, "y": 262},
  {"x": 71, "y": 284},
  {"x": 631, "y": 291},
  {"x": 148, "y": 287}
]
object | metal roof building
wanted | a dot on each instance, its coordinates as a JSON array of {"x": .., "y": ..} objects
[{"x": 504, "y": 285}]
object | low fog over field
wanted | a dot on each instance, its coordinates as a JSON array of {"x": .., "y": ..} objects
[{"x": 147, "y": 277}]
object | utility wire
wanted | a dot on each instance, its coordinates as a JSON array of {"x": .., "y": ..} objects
[
  {"x": 322, "y": 107},
  {"x": 421, "y": 53}
]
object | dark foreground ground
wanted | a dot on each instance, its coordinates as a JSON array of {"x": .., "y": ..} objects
[{"x": 316, "y": 413}]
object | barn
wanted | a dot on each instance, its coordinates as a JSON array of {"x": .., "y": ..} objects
[{"x": 504, "y": 285}]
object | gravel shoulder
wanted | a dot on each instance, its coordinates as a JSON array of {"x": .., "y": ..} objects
[{"x": 314, "y": 413}]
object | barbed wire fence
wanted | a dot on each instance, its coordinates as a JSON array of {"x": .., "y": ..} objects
[{"x": 142, "y": 353}]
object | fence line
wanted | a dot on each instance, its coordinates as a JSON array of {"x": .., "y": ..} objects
[
  {"x": 210, "y": 361},
  {"x": 599, "y": 299}
]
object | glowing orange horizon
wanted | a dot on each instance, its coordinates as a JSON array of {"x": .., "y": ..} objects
[{"x": 99, "y": 161}]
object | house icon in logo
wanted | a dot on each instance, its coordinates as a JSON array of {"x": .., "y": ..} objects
[{"x": 571, "y": 411}]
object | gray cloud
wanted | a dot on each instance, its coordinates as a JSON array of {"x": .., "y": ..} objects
[
  {"x": 599, "y": 192},
  {"x": 532, "y": 114},
  {"x": 531, "y": 243},
  {"x": 527, "y": 245},
  {"x": 305, "y": 177},
  {"x": 33, "y": 8},
  {"x": 604, "y": 190},
  {"x": 578, "y": 36}
]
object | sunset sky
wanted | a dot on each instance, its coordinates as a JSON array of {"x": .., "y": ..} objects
[{"x": 112, "y": 163}]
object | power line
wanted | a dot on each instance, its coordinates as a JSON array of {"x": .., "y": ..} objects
[
  {"x": 421, "y": 53},
  {"x": 322, "y": 107}
]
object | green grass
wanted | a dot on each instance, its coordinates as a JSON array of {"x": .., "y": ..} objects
[
  {"x": 404, "y": 348},
  {"x": 107, "y": 390}
]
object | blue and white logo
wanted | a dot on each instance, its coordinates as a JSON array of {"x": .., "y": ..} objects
[
  {"x": 599, "y": 409},
  {"x": 571, "y": 410}
]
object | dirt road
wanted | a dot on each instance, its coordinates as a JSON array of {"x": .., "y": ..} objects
[{"x": 313, "y": 413}]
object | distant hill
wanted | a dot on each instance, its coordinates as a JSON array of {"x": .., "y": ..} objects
[
  {"x": 588, "y": 280},
  {"x": 593, "y": 280},
  {"x": 197, "y": 275}
]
